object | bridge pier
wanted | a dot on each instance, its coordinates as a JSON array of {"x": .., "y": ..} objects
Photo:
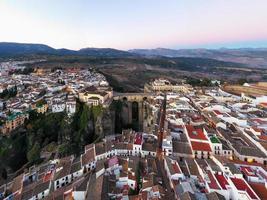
[{"x": 134, "y": 114}]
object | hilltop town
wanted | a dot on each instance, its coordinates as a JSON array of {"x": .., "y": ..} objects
[{"x": 172, "y": 141}]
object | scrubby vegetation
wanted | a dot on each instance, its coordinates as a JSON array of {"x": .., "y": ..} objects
[
  {"x": 49, "y": 132},
  {"x": 8, "y": 93},
  {"x": 199, "y": 82}
]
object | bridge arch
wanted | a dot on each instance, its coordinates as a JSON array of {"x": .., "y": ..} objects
[{"x": 134, "y": 108}]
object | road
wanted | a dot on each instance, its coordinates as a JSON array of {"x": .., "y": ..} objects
[
  {"x": 160, "y": 156},
  {"x": 169, "y": 193},
  {"x": 162, "y": 117}
]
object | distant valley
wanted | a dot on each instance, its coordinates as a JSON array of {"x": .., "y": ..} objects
[
  {"x": 250, "y": 57},
  {"x": 127, "y": 71}
]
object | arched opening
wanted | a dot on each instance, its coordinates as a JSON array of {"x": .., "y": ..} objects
[
  {"x": 135, "y": 115},
  {"x": 135, "y": 111}
]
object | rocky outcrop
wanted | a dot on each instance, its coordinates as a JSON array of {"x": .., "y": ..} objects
[{"x": 105, "y": 122}]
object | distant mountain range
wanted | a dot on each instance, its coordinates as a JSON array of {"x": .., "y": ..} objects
[
  {"x": 22, "y": 49},
  {"x": 251, "y": 57}
]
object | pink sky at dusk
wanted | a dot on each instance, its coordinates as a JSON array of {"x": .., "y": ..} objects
[{"x": 135, "y": 24}]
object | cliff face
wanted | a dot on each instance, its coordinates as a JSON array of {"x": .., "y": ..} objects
[{"x": 105, "y": 123}]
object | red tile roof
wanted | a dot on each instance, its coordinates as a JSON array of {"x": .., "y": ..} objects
[
  {"x": 263, "y": 104},
  {"x": 48, "y": 176},
  {"x": 196, "y": 118},
  {"x": 260, "y": 189},
  {"x": 195, "y": 133},
  {"x": 256, "y": 129},
  {"x": 88, "y": 157},
  {"x": 235, "y": 161},
  {"x": 212, "y": 184},
  {"x": 247, "y": 171},
  {"x": 200, "y": 146},
  {"x": 241, "y": 185},
  {"x": 222, "y": 180},
  {"x": 263, "y": 137},
  {"x": 259, "y": 121},
  {"x": 176, "y": 168},
  {"x": 138, "y": 139},
  {"x": 217, "y": 112}
]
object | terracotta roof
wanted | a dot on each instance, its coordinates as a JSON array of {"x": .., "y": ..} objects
[
  {"x": 222, "y": 180},
  {"x": 181, "y": 147},
  {"x": 263, "y": 104},
  {"x": 89, "y": 146},
  {"x": 176, "y": 168},
  {"x": 17, "y": 184},
  {"x": 138, "y": 139},
  {"x": 212, "y": 184},
  {"x": 200, "y": 146},
  {"x": 88, "y": 157},
  {"x": 260, "y": 189},
  {"x": 263, "y": 137},
  {"x": 41, "y": 187},
  {"x": 64, "y": 167},
  {"x": 256, "y": 129},
  {"x": 247, "y": 171},
  {"x": 217, "y": 112},
  {"x": 194, "y": 133},
  {"x": 241, "y": 185}
]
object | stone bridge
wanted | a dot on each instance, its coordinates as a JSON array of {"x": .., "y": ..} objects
[
  {"x": 132, "y": 96},
  {"x": 135, "y": 108}
]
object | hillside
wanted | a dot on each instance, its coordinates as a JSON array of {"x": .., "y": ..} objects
[
  {"x": 251, "y": 57},
  {"x": 129, "y": 74},
  {"x": 23, "y": 49},
  {"x": 11, "y": 49}
]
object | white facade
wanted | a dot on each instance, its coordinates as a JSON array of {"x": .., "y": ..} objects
[
  {"x": 253, "y": 100},
  {"x": 79, "y": 195},
  {"x": 70, "y": 107},
  {"x": 58, "y": 107},
  {"x": 137, "y": 149},
  {"x": 167, "y": 145}
]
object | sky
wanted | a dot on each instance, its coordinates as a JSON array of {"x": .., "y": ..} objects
[{"x": 129, "y": 24}]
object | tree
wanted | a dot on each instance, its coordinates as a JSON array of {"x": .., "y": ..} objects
[
  {"x": 241, "y": 81},
  {"x": 84, "y": 117},
  {"x": 64, "y": 130},
  {"x": 34, "y": 154},
  {"x": 4, "y": 173},
  {"x": 96, "y": 110}
]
